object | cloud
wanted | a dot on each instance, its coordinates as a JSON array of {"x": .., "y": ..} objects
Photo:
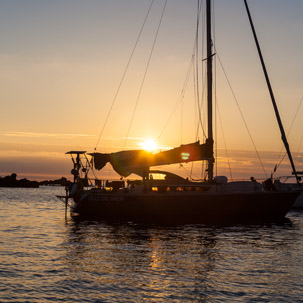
[{"x": 40, "y": 135}]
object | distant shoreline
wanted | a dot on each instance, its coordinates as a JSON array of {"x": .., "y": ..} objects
[{"x": 12, "y": 181}]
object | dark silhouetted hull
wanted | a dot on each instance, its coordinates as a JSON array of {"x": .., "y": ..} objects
[{"x": 196, "y": 206}]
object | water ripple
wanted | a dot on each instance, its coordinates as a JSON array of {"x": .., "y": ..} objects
[{"x": 47, "y": 259}]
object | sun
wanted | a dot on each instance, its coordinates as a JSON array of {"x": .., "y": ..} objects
[{"x": 149, "y": 145}]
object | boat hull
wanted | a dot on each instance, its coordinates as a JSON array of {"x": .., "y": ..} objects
[
  {"x": 196, "y": 206},
  {"x": 299, "y": 202}
]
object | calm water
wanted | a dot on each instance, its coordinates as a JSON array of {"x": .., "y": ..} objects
[{"x": 45, "y": 258}]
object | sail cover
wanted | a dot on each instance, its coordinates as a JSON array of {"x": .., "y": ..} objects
[
  {"x": 139, "y": 161},
  {"x": 124, "y": 162}
]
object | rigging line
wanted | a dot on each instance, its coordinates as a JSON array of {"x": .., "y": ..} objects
[
  {"x": 215, "y": 92},
  {"x": 278, "y": 160},
  {"x": 200, "y": 105},
  {"x": 278, "y": 164},
  {"x": 242, "y": 116},
  {"x": 191, "y": 64},
  {"x": 197, "y": 66},
  {"x": 145, "y": 73},
  {"x": 181, "y": 130},
  {"x": 196, "y": 97},
  {"x": 217, "y": 113},
  {"x": 200, "y": 100},
  {"x": 124, "y": 73},
  {"x": 189, "y": 175},
  {"x": 225, "y": 146},
  {"x": 196, "y": 76},
  {"x": 197, "y": 103},
  {"x": 299, "y": 147},
  {"x": 196, "y": 72},
  {"x": 301, "y": 137},
  {"x": 272, "y": 97},
  {"x": 181, "y": 95}
]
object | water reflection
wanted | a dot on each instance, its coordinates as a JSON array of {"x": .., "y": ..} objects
[
  {"x": 153, "y": 261},
  {"x": 45, "y": 258},
  {"x": 179, "y": 262}
]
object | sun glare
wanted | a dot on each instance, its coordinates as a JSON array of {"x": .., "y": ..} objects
[{"x": 149, "y": 145}]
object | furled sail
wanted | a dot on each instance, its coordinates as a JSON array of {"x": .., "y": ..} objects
[
  {"x": 139, "y": 161},
  {"x": 184, "y": 153},
  {"x": 124, "y": 162}
]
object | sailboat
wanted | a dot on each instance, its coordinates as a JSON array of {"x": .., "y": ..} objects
[{"x": 174, "y": 198}]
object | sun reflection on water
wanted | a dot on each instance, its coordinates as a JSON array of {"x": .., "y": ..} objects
[{"x": 45, "y": 257}]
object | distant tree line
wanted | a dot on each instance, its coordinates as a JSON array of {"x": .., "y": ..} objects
[{"x": 12, "y": 181}]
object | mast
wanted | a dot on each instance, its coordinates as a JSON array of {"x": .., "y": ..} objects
[
  {"x": 210, "y": 140},
  {"x": 284, "y": 139}
]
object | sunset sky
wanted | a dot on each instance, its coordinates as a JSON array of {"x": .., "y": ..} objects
[{"x": 61, "y": 63}]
